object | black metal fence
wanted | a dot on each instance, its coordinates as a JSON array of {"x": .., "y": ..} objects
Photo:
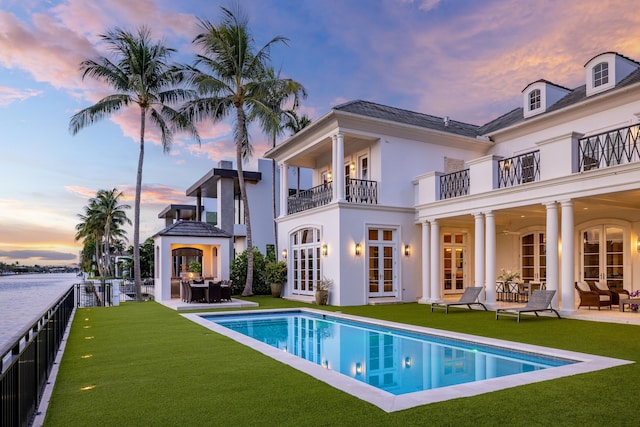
[
  {"x": 615, "y": 147},
  {"x": 90, "y": 294},
  {"x": 361, "y": 191},
  {"x": 311, "y": 198},
  {"x": 27, "y": 361},
  {"x": 519, "y": 169},
  {"x": 454, "y": 184}
]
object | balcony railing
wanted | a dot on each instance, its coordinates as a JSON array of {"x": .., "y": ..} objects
[
  {"x": 311, "y": 198},
  {"x": 615, "y": 147},
  {"x": 361, "y": 191},
  {"x": 454, "y": 184},
  {"x": 519, "y": 169}
]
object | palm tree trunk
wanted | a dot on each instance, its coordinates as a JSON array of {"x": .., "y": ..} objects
[
  {"x": 273, "y": 201},
  {"x": 98, "y": 255},
  {"x": 248, "y": 286},
  {"x": 137, "y": 280}
]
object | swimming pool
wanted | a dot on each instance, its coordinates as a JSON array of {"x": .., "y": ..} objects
[{"x": 391, "y": 365}]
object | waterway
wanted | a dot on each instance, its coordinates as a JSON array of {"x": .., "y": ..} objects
[{"x": 24, "y": 297}]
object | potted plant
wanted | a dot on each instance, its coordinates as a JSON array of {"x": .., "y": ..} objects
[
  {"x": 322, "y": 290},
  {"x": 276, "y": 274},
  {"x": 195, "y": 267}
]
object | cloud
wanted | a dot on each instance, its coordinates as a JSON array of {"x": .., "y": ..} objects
[
  {"x": 38, "y": 255},
  {"x": 9, "y": 95}
]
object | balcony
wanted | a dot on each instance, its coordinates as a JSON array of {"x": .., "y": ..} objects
[
  {"x": 519, "y": 169},
  {"x": 615, "y": 147},
  {"x": 454, "y": 184},
  {"x": 358, "y": 191}
]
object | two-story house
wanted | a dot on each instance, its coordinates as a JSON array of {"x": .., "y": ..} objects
[{"x": 426, "y": 206}]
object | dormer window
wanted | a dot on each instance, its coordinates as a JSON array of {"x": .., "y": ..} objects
[
  {"x": 601, "y": 74},
  {"x": 534, "y": 99}
]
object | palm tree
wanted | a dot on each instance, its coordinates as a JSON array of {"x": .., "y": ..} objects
[
  {"x": 295, "y": 124},
  {"x": 113, "y": 216},
  {"x": 140, "y": 75},
  {"x": 90, "y": 230},
  {"x": 236, "y": 81}
]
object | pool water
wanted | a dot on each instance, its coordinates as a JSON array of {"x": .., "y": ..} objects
[{"x": 394, "y": 360}]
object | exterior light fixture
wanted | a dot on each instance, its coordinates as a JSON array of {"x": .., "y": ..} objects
[
  {"x": 638, "y": 244},
  {"x": 358, "y": 369},
  {"x": 284, "y": 253},
  {"x": 324, "y": 250},
  {"x": 329, "y": 176},
  {"x": 358, "y": 249},
  {"x": 407, "y": 362},
  {"x": 407, "y": 250},
  {"x": 352, "y": 166}
]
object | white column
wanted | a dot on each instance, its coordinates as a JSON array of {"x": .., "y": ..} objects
[
  {"x": 284, "y": 188},
  {"x": 552, "y": 250},
  {"x": 426, "y": 267},
  {"x": 436, "y": 286},
  {"x": 339, "y": 178},
  {"x": 478, "y": 277},
  {"x": 566, "y": 286},
  {"x": 490, "y": 258},
  {"x": 334, "y": 163}
]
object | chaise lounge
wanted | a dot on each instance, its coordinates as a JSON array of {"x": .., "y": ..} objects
[
  {"x": 470, "y": 296},
  {"x": 540, "y": 301}
]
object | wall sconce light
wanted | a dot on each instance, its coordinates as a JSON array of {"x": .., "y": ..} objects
[
  {"x": 638, "y": 245},
  {"x": 284, "y": 253},
  {"x": 329, "y": 176},
  {"x": 352, "y": 166},
  {"x": 358, "y": 249},
  {"x": 407, "y": 250},
  {"x": 407, "y": 362},
  {"x": 358, "y": 369},
  {"x": 324, "y": 250}
]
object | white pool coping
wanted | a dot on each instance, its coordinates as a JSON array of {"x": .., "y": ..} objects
[{"x": 390, "y": 402}]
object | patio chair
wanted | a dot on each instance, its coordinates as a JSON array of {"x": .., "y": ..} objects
[
  {"x": 540, "y": 301},
  {"x": 226, "y": 290},
  {"x": 470, "y": 296},
  {"x": 215, "y": 292},
  {"x": 602, "y": 288},
  {"x": 590, "y": 298}
]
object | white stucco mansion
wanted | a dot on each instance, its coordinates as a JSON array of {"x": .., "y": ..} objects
[{"x": 410, "y": 207}]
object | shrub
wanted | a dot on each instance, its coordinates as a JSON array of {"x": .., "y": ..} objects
[{"x": 239, "y": 274}]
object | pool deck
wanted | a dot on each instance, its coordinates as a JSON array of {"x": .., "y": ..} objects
[
  {"x": 179, "y": 305},
  {"x": 390, "y": 402}
]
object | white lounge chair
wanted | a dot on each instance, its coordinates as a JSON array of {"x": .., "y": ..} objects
[
  {"x": 540, "y": 301},
  {"x": 470, "y": 296}
]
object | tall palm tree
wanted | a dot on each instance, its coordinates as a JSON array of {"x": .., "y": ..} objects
[
  {"x": 295, "y": 124},
  {"x": 287, "y": 90},
  {"x": 139, "y": 73},
  {"x": 90, "y": 230},
  {"x": 113, "y": 216},
  {"x": 235, "y": 80}
]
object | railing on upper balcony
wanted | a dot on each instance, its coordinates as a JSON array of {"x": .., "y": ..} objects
[
  {"x": 615, "y": 147},
  {"x": 361, "y": 191},
  {"x": 519, "y": 169},
  {"x": 311, "y": 198},
  {"x": 454, "y": 184}
]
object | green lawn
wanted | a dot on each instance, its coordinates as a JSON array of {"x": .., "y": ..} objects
[{"x": 151, "y": 367}]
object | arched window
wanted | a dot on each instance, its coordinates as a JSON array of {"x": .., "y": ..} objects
[
  {"x": 600, "y": 74},
  {"x": 182, "y": 257},
  {"x": 534, "y": 99}
]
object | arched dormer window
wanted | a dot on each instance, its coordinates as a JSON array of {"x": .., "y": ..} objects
[
  {"x": 600, "y": 74},
  {"x": 534, "y": 99}
]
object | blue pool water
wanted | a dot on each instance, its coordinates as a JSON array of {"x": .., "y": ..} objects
[{"x": 394, "y": 360}]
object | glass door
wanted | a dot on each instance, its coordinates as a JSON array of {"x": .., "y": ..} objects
[
  {"x": 533, "y": 257},
  {"x": 454, "y": 262},
  {"x": 603, "y": 255},
  {"x": 381, "y": 257}
]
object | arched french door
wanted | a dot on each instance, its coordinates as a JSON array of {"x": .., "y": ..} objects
[
  {"x": 533, "y": 256},
  {"x": 454, "y": 262},
  {"x": 603, "y": 254},
  {"x": 305, "y": 262},
  {"x": 382, "y": 262}
]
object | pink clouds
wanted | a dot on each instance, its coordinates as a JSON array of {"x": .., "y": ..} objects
[
  {"x": 152, "y": 194},
  {"x": 9, "y": 95}
]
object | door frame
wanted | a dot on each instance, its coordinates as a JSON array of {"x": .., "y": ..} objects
[{"x": 394, "y": 243}]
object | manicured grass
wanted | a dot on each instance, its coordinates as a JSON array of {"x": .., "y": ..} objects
[{"x": 152, "y": 367}]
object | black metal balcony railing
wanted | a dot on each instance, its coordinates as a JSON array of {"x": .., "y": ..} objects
[
  {"x": 615, "y": 147},
  {"x": 311, "y": 198},
  {"x": 454, "y": 184},
  {"x": 361, "y": 191},
  {"x": 519, "y": 169}
]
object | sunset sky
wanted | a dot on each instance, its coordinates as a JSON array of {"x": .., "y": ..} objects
[{"x": 466, "y": 59}]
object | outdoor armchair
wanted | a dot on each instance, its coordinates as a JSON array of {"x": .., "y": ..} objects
[
  {"x": 602, "y": 288},
  {"x": 590, "y": 298}
]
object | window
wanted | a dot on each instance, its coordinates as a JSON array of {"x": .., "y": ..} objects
[
  {"x": 534, "y": 99},
  {"x": 600, "y": 74}
]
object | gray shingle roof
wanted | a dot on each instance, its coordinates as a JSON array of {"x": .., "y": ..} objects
[
  {"x": 192, "y": 229},
  {"x": 398, "y": 115}
]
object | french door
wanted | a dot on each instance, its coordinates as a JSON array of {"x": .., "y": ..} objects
[
  {"x": 533, "y": 257},
  {"x": 603, "y": 255},
  {"x": 381, "y": 256},
  {"x": 454, "y": 262}
]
